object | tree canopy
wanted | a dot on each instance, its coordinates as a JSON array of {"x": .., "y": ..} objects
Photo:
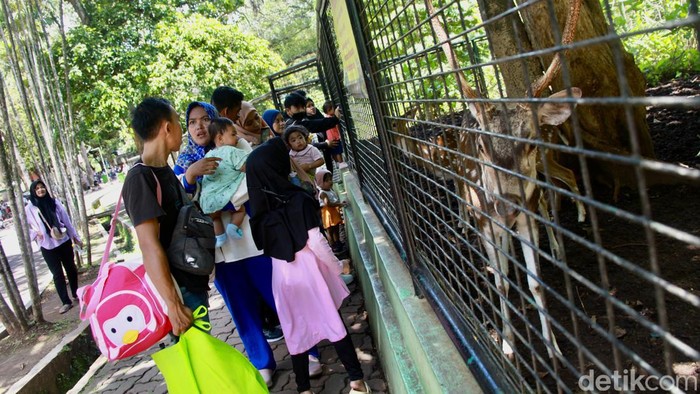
[
  {"x": 180, "y": 50},
  {"x": 290, "y": 27}
]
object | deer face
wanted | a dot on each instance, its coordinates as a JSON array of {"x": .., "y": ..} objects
[{"x": 506, "y": 190}]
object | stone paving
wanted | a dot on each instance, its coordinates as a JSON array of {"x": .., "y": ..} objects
[{"x": 139, "y": 374}]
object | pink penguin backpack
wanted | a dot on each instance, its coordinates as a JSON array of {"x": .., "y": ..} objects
[{"x": 126, "y": 313}]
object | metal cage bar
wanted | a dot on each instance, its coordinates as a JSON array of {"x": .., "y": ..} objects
[{"x": 551, "y": 249}]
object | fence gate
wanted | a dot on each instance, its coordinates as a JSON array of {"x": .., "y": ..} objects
[{"x": 545, "y": 197}]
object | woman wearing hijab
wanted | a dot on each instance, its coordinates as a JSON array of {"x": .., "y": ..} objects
[
  {"x": 275, "y": 120},
  {"x": 250, "y": 126},
  {"x": 51, "y": 227},
  {"x": 191, "y": 163},
  {"x": 243, "y": 274},
  {"x": 306, "y": 284}
]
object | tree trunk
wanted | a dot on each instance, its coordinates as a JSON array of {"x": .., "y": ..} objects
[
  {"x": 22, "y": 167},
  {"x": 80, "y": 10},
  {"x": 21, "y": 226},
  {"x": 20, "y": 315},
  {"x": 593, "y": 69},
  {"x": 9, "y": 320},
  {"x": 72, "y": 143},
  {"x": 11, "y": 49},
  {"x": 43, "y": 95},
  {"x": 506, "y": 37}
]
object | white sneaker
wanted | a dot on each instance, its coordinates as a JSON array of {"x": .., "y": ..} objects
[
  {"x": 65, "y": 308},
  {"x": 267, "y": 375}
]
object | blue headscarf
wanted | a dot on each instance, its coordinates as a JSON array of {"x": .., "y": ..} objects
[
  {"x": 193, "y": 152},
  {"x": 269, "y": 117}
]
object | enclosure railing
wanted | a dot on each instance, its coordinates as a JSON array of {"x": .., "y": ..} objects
[
  {"x": 300, "y": 76},
  {"x": 553, "y": 223}
]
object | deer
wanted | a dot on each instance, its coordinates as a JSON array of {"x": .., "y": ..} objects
[{"x": 495, "y": 199}]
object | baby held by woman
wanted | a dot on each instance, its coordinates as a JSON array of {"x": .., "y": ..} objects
[{"x": 222, "y": 189}]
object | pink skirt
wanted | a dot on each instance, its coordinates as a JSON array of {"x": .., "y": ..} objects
[{"x": 308, "y": 293}]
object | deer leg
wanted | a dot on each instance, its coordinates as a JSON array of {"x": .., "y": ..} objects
[
  {"x": 499, "y": 267},
  {"x": 553, "y": 243},
  {"x": 530, "y": 232},
  {"x": 558, "y": 171}
]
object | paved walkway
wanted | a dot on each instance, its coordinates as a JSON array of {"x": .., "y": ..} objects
[{"x": 139, "y": 374}]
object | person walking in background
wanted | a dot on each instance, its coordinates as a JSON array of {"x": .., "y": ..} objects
[
  {"x": 306, "y": 281},
  {"x": 53, "y": 230}
]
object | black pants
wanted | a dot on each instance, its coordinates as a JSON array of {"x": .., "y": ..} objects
[
  {"x": 269, "y": 316},
  {"x": 62, "y": 256},
  {"x": 346, "y": 354}
]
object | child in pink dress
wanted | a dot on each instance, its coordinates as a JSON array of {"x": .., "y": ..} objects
[{"x": 306, "y": 283}]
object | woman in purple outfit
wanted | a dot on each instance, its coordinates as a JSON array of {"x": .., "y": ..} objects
[{"x": 51, "y": 227}]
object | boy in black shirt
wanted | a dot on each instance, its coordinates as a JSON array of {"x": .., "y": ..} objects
[{"x": 157, "y": 125}]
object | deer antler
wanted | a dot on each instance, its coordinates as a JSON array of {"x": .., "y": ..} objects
[
  {"x": 439, "y": 30},
  {"x": 569, "y": 30}
]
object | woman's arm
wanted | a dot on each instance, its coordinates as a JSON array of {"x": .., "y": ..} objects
[
  {"x": 63, "y": 217},
  {"x": 319, "y": 245},
  {"x": 205, "y": 166},
  {"x": 301, "y": 173},
  {"x": 31, "y": 221}
]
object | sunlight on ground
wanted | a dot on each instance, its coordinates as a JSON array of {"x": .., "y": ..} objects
[
  {"x": 216, "y": 303},
  {"x": 40, "y": 345}
]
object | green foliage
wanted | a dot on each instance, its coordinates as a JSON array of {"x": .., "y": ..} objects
[
  {"x": 663, "y": 53},
  {"x": 196, "y": 54},
  {"x": 180, "y": 50},
  {"x": 289, "y": 26}
]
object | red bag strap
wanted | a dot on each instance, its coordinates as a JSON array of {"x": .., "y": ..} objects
[{"x": 98, "y": 287}]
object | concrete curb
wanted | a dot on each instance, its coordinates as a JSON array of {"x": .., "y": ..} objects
[
  {"x": 85, "y": 380},
  {"x": 43, "y": 377}
]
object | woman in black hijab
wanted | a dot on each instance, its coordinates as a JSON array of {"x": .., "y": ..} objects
[
  {"x": 306, "y": 284},
  {"x": 51, "y": 227}
]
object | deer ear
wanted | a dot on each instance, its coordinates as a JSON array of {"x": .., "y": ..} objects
[{"x": 556, "y": 113}]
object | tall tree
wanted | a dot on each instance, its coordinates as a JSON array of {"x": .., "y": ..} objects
[
  {"x": 16, "y": 322},
  {"x": 292, "y": 35},
  {"x": 593, "y": 69},
  {"x": 117, "y": 59},
  {"x": 16, "y": 205},
  {"x": 21, "y": 227}
]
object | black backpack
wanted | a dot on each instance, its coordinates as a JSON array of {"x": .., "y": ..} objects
[{"x": 192, "y": 244}]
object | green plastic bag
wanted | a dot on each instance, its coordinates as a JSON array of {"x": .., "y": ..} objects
[{"x": 200, "y": 363}]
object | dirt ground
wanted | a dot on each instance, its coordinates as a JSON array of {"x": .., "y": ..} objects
[{"x": 21, "y": 354}]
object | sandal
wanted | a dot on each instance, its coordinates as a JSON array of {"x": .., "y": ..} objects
[{"x": 367, "y": 390}]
